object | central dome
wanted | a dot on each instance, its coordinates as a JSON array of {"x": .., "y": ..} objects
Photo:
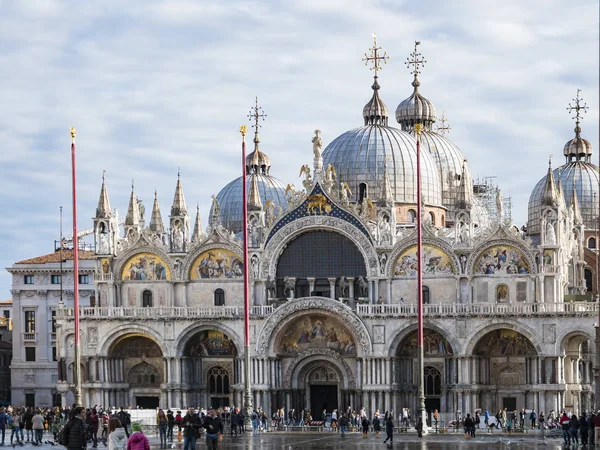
[{"x": 359, "y": 156}]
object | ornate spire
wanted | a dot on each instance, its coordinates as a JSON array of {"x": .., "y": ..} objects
[
  {"x": 257, "y": 161},
  {"x": 443, "y": 128},
  {"x": 254, "y": 202},
  {"x": 375, "y": 112},
  {"x": 133, "y": 212},
  {"x": 464, "y": 199},
  {"x": 103, "y": 210},
  {"x": 416, "y": 108},
  {"x": 215, "y": 212},
  {"x": 387, "y": 197},
  {"x": 156, "y": 223},
  {"x": 197, "y": 226},
  {"x": 578, "y": 148},
  {"x": 179, "y": 207},
  {"x": 551, "y": 192}
]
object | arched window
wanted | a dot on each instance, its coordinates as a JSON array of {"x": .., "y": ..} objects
[
  {"x": 433, "y": 381},
  {"x": 443, "y": 221},
  {"x": 425, "y": 295},
  {"x": 363, "y": 191},
  {"x": 432, "y": 218},
  {"x": 589, "y": 276},
  {"x": 412, "y": 216},
  {"x": 592, "y": 243},
  {"x": 147, "y": 299},
  {"x": 218, "y": 381},
  {"x": 144, "y": 374},
  {"x": 219, "y": 297}
]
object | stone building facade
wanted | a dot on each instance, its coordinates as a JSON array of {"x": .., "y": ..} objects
[{"x": 333, "y": 286}]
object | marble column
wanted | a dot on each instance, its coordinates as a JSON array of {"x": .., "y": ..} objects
[
  {"x": 350, "y": 287},
  {"x": 389, "y": 291},
  {"x": 311, "y": 285},
  {"x": 370, "y": 284},
  {"x": 376, "y": 291},
  {"x": 331, "y": 288}
]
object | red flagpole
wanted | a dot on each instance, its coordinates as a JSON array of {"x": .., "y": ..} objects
[
  {"x": 247, "y": 390},
  {"x": 420, "y": 353},
  {"x": 77, "y": 363}
]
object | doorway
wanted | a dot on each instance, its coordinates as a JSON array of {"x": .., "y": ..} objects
[
  {"x": 510, "y": 403},
  {"x": 147, "y": 402},
  {"x": 219, "y": 402},
  {"x": 432, "y": 403},
  {"x": 322, "y": 396}
]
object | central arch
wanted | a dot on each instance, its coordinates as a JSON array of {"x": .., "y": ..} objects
[{"x": 293, "y": 310}]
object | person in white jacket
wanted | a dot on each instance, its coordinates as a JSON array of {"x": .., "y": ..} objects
[{"x": 117, "y": 439}]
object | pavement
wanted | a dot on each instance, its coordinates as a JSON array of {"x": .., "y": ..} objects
[{"x": 285, "y": 440}]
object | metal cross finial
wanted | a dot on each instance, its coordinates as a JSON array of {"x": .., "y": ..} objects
[
  {"x": 103, "y": 176},
  {"x": 443, "y": 128},
  {"x": 132, "y": 184},
  {"x": 374, "y": 57},
  {"x": 256, "y": 113},
  {"x": 579, "y": 106},
  {"x": 416, "y": 60},
  {"x": 550, "y": 160}
]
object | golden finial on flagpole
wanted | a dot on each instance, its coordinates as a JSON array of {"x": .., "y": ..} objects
[
  {"x": 243, "y": 130},
  {"x": 73, "y": 132},
  {"x": 418, "y": 128}
]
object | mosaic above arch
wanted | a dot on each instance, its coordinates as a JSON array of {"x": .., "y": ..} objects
[
  {"x": 316, "y": 331},
  {"x": 435, "y": 262},
  {"x": 434, "y": 344},
  {"x": 501, "y": 260},
  {"x": 145, "y": 267},
  {"x": 210, "y": 343},
  {"x": 217, "y": 263},
  {"x": 504, "y": 342}
]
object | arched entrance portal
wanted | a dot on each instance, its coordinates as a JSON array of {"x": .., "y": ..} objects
[
  {"x": 321, "y": 382},
  {"x": 438, "y": 373},
  {"x": 209, "y": 359},
  {"x": 505, "y": 363},
  {"x": 138, "y": 362}
]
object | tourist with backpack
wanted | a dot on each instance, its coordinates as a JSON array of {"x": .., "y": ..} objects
[
  {"x": 170, "y": 425},
  {"x": 365, "y": 427},
  {"x": 125, "y": 419}
]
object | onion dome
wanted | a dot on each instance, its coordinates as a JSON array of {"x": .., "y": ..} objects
[
  {"x": 359, "y": 156},
  {"x": 260, "y": 186},
  {"x": 416, "y": 108},
  {"x": 577, "y": 177}
]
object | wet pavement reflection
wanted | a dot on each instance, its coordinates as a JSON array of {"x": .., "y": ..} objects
[{"x": 305, "y": 441}]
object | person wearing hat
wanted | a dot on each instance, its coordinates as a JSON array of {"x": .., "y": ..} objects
[
  {"x": 214, "y": 429},
  {"x": 137, "y": 440}
]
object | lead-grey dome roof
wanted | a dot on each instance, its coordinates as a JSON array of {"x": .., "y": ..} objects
[
  {"x": 583, "y": 176},
  {"x": 359, "y": 155},
  {"x": 415, "y": 109},
  {"x": 230, "y": 199},
  {"x": 449, "y": 161}
]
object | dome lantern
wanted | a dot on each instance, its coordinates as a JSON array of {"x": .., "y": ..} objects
[
  {"x": 375, "y": 112},
  {"x": 416, "y": 108}
]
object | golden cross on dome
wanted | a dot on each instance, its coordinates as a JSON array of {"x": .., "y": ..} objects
[
  {"x": 374, "y": 57},
  {"x": 443, "y": 128},
  {"x": 256, "y": 113},
  {"x": 578, "y": 107},
  {"x": 416, "y": 60}
]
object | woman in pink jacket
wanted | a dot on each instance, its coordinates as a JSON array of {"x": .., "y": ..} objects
[{"x": 137, "y": 440}]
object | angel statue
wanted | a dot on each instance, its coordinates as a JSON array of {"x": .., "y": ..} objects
[
  {"x": 270, "y": 213},
  {"x": 330, "y": 174},
  {"x": 345, "y": 193},
  {"x": 307, "y": 180}
]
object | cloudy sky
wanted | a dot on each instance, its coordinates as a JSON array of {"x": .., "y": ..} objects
[{"x": 156, "y": 85}]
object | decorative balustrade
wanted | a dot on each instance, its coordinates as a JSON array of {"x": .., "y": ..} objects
[
  {"x": 163, "y": 312},
  {"x": 480, "y": 309},
  {"x": 30, "y": 337},
  {"x": 577, "y": 309},
  {"x": 103, "y": 277}
]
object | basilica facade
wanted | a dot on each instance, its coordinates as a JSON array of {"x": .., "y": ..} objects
[{"x": 508, "y": 320}]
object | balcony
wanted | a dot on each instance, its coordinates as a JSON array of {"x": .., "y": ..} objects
[
  {"x": 577, "y": 309},
  {"x": 475, "y": 310},
  {"x": 103, "y": 277},
  {"x": 162, "y": 312},
  {"x": 30, "y": 338}
]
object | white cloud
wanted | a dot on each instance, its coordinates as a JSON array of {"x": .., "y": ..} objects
[{"x": 152, "y": 86}]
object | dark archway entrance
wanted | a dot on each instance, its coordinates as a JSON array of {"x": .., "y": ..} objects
[
  {"x": 147, "y": 402},
  {"x": 323, "y": 397}
]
